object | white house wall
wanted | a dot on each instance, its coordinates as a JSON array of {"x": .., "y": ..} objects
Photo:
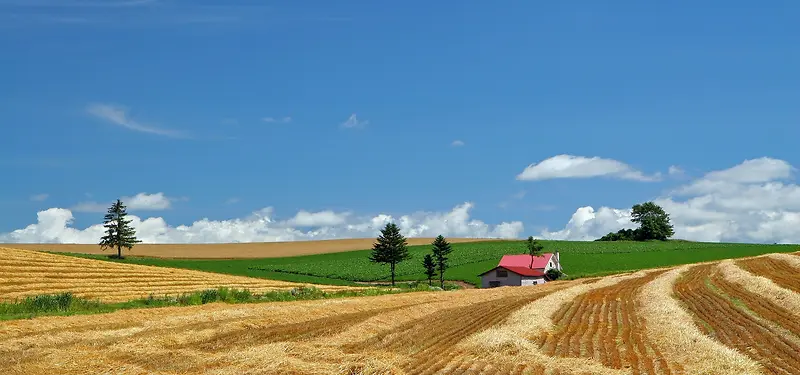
[{"x": 512, "y": 279}]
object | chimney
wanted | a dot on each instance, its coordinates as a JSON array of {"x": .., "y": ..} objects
[{"x": 558, "y": 260}]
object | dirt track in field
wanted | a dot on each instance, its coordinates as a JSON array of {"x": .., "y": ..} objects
[
  {"x": 598, "y": 326},
  {"x": 232, "y": 250},
  {"x": 26, "y": 273}
]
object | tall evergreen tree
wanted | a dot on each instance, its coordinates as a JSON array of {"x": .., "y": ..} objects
[
  {"x": 390, "y": 248},
  {"x": 119, "y": 232},
  {"x": 441, "y": 249},
  {"x": 430, "y": 267}
]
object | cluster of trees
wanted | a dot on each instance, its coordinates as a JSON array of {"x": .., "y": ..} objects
[
  {"x": 654, "y": 224},
  {"x": 391, "y": 248}
]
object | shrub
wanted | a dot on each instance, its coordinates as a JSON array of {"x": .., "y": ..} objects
[
  {"x": 241, "y": 295},
  {"x": 209, "y": 295},
  {"x": 48, "y": 302},
  {"x": 64, "y": 301},
  {"x": 553, "y": 274}
]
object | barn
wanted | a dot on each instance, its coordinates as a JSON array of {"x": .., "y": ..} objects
[{"x": 519, "y": 270}]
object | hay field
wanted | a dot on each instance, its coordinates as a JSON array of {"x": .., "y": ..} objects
[
  {"x": 708, "y": 318},
  {"x": 232, "y": 250},
  {"x": 25, "y": 273}
]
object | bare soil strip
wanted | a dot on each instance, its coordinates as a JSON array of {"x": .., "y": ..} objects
[
  {"x": 780, "y": 272},
  {"x": 731, "y": 324},
  {"x": 604, "y": 324},
  {"x": 233, "y": 250},
  {"x": 762, "y": 287}
]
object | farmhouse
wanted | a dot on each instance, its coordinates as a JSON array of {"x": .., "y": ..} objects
[{"x": 518, "y": 270}]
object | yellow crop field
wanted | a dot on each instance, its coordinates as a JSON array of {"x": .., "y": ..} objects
[
  {"x": 709, "y": 318},
  {"x": 25, "y": 273},
  {"x": 234, "y": 250}
]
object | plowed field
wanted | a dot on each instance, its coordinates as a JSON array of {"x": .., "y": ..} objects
[
  {"x": 25, "y": 273},
  {"x": 691, "y": 320}
]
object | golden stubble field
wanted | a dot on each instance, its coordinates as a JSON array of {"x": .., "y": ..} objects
[
  {"x": 26, "y": 273},
  {"x": 232, "y": 250},
  {"x": 728, "y": 317}
]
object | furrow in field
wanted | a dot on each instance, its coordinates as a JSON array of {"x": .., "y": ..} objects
[
  {"x": 608, "y": 317},
  {"x": 775, "y": 269},
  {"x": 764, "y": 292},
  {"x": 428, "y": 346},
  {"x": 730, "y": 322}
]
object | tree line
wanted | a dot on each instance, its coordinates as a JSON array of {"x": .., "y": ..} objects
[{"x": 391, "y": 248}]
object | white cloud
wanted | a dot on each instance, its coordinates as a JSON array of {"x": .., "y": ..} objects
[
  {"x": 354, "y": 122},
  {"x": 119, "y": 116},
  {"x": 54, "y": 226},
  {"x": 675, "y": 170},
  {"x": 745, "y": 203},
  {"x": 457, "y": 143},
  {"x": 284, "y": 120},
  {"x": 39, "y": 197},
  {"x": 318, "y": 219},
  {"x": 570, "y": 166},
  {"x": 141, "y": 202}
]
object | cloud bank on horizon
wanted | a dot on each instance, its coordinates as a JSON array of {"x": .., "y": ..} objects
[{"x": 750, "y": 202}]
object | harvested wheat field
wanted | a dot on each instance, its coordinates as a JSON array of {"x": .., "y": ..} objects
[
  {"x": 25, "y": 273},
  {"x": 233, "y": 250},
  {"x": 710, "y": 318}
]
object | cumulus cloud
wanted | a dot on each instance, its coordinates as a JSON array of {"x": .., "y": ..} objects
[
  {"x": 118, "y": 115},
  {"x": 141, "y": 202},
  {"x": 55, "y": 226},
  {"x": 571, "y": 166},
  {"x": 318, "y": 219},
  {"x": 457, "y": 143},
  {"x": 744, "y": 203},
  {"x": 354, "y": 122}
]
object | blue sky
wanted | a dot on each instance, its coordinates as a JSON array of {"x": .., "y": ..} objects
[{"x": 116, "y": 98}]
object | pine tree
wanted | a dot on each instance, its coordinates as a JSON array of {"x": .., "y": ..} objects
[
  {"x": 390, "y": 248},
  {"x": 441, "y": 249},
  {"x": 430, "y": 267},
  {"x": 119, "y": 232}
]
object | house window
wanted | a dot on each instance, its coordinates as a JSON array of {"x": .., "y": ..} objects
[
  {"x": 494, "y": 284},
  {"x": 502, "y": 273}
]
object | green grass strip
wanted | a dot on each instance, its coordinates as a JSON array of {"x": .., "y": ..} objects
[{"x": 64, "y": 304}]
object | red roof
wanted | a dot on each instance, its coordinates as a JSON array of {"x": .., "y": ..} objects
[{"x": 524, "y": 261}]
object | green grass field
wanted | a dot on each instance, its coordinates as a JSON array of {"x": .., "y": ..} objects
[{"x": 468, "y": 260}]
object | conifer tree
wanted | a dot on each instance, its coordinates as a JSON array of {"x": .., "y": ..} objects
[
  {"x": 390, "y": 248},
  {"x": 119, "y": 232},
  {"x": 441, "y": 249},
  {"x": 430, "y": 267}
]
